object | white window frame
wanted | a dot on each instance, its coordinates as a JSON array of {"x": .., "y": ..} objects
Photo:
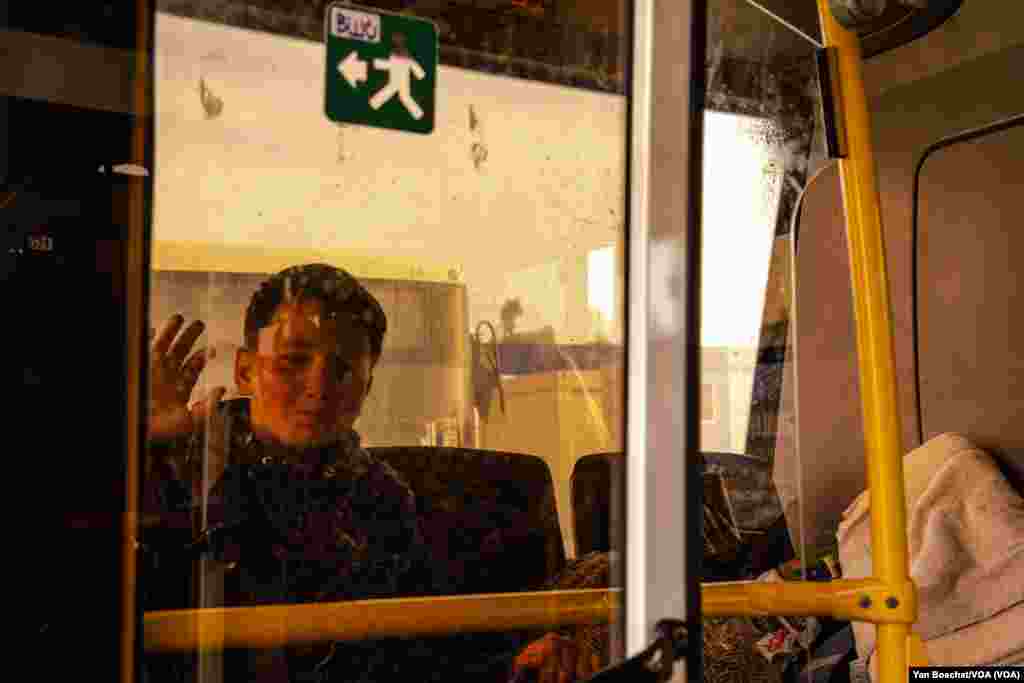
[{"x": 662, "y": 424}]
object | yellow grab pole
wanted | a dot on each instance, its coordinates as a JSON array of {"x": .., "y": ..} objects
[
  {"x": 874, "y": 347},
  {"x": 846, "y": 599},
  {"x": 213, "y": 629}
]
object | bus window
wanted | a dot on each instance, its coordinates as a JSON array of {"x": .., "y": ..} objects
[
  {"x": 735, "y": 280},
  {"x": 761, "y": 138},
  {"x": 478, "y": 266}
]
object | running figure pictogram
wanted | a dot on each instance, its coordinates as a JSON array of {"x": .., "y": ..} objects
[{"x": 401, "y": 68}]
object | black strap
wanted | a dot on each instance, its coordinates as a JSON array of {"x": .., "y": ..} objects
[{"x": 654, "y": 664}]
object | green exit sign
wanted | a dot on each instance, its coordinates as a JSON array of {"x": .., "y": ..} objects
[{"x": 381, "y": 69}]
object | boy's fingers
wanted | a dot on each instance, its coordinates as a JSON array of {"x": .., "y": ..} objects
[
  {"x": 167, "y": 334},
  {"x": 185, "y": 342}
]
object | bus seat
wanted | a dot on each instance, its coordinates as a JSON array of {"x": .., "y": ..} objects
[
  {"x": 592, "y": 489},
  {"x": 490, "y": 525},
  {"x": 966, "y": 537},
  {"x": 489, "y": 518},
  {"x": 593, "y": 480},
  {"x": 752, "y": 493}
]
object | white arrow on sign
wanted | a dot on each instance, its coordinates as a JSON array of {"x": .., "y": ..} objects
[{"x": 353, "y": 69}]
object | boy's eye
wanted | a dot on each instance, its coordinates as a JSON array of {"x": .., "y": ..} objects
[
  {"x": 293, "y": 360},
  {"x": 299, "y": 361},
  {"x": 343, "y": 370}
]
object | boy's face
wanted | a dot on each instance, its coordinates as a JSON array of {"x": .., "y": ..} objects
[{"x": 308, "y": 376}]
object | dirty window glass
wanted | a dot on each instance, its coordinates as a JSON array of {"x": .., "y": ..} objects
[
  {"x": 762, "y": 136},
  {"x": 476, "y": 350}
]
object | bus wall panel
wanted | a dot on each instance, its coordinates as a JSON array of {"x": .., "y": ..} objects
[
  {"x": 905, "y": 120},
  {"x": 970, "y": 289}
]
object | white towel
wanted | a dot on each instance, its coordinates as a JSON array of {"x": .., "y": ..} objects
[{"x": 966, "y": 543}]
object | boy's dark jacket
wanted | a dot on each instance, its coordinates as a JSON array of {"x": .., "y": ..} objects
[{"x": 282, "y": 527}]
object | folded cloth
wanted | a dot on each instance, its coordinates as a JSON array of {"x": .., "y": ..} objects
[
  {"x": 966, "y": 543},
  {"x": 993, "y": 642}
]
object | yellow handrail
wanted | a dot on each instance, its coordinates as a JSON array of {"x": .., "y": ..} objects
[
  {"x": 213, "y": 629},
  {"x": 275, "y": 625},
  {"x": 846, "y": 599},
  {"x": 883, "y": 446}
]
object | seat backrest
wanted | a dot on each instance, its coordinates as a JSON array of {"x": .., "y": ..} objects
[
  {"x": 597, "y": 483},
  {"x": 748, "y": 480},
  {"x": 593, "y": 483},
  {"x": 489, "y": 518}
]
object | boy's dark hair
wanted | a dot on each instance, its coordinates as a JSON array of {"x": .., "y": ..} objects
[{"x": 341, "y": 294}]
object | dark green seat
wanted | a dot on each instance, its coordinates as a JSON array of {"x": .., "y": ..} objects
[
  {"x": 490, "y": 525},
  {"x": 488, "y": 518}
]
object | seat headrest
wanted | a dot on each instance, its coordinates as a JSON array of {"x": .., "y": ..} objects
[{"x": 489, "y": 517}]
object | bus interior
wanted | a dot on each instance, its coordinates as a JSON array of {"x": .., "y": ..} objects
[{"x": 499, "y": 247}]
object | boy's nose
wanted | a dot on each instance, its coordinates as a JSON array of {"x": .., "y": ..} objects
[
  {"x": 320, "y": 378},
  {"x": 326, "y": 374}
]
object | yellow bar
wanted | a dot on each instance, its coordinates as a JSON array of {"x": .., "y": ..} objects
[
  {"x": 874, "y": 343},
  {"x": 871, "y": 305},
  {"x": 916, "y": 650},
  {"x": 277, "y": 625},
  {"x": 847, "y": 599}
]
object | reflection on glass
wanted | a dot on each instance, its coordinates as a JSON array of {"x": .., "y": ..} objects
[
  {"x": 494, "y": 247},
  {"x": 737, "y": 248},
  {"x": 601, "y": 289}
]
